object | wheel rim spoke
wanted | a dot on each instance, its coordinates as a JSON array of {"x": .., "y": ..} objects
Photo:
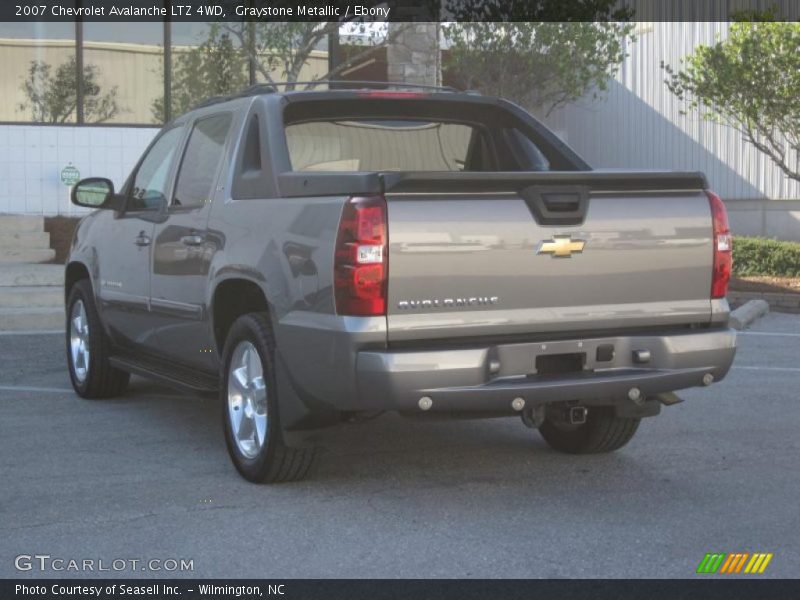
[
  {"x": 239, "y": 380},
  {"x": 260, "y": 409},
  {"x": 236, "y": 410},
  {"x": 246, "y": 429},
  {"x": 260, "y": 431}
]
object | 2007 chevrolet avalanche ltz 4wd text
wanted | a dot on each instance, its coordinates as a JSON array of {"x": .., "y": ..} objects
[{"x": 317, "y": 256}]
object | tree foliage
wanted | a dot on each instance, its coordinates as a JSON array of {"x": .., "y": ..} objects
[
  {"x": 539, "y": 65},
  {"x": 534, "y": 10},
  {"x": 751, "y": 82},
  {"x": 279, "y": 50},
  {"x": 220, "y": 64},
  {"x": 51, "y": 94},
  {"x": 217, "y": 66}
]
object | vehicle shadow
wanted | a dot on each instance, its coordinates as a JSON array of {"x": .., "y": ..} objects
[{"x": 405, "y": 455}]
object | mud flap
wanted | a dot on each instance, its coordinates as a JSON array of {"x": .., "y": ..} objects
[{"x": 300, "y": 414}]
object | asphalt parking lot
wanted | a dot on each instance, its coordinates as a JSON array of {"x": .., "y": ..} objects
[{"x": 147, "y": 476}]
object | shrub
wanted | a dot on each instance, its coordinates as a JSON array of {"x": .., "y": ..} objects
[{"x": 762, "y": 256}]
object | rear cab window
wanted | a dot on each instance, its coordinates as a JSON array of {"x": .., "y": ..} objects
[
  {"x": 381, "y": 145},
  {"x": 360, "y": 135}
]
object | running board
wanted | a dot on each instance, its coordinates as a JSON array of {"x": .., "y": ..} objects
[{"x": 182, "y": 378}]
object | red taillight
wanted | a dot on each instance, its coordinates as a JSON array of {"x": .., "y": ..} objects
[
  {"x": 723, "y": 247},
  {"x": 360, "y": 266}
]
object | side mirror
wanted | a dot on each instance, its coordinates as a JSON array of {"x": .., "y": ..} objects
[{"x": 95, "y": 192}]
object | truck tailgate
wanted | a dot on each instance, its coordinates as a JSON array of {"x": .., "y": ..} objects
[{"x": 487, "y": 263}]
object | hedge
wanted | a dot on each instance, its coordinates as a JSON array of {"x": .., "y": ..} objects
[{"x": 763, "y": 256}]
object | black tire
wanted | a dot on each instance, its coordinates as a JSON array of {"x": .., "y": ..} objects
[
  {"x": 602, "y": 432},
  {"x": 274, "y": 462},
  {"x": 100, "y": 380}
]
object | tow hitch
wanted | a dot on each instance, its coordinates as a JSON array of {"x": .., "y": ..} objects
[
  {"x": 573, "y": 415},
  {"x": 576, "y": 415}
]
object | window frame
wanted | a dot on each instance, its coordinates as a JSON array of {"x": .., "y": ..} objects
[
  {"x": 167, "y": 62},
  {"x": 190, "y": 127},
  {"x": 127, "y": 187}
]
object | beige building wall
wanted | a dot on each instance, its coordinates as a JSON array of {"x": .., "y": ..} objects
[{"x": 135, "y": 69}]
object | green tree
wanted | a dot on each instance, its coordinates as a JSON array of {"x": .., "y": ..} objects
[
  {"x": 530, "y": 10},
  {"x": 282, "y": 48},
  {"x": 219, "y": 65},
  {"x": 215, "y": 67},
  {"x": 541, "y": 54},
  {"x": 51, "y": 94},
  {"x": 537, "y": 65},
  {"x": 749, "y": 81}
]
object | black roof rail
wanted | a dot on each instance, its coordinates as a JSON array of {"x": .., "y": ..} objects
[
  {"x": 360, "y": 84},
  {"x": 271, "y": 88},
  {"x": 253, "y": 90}
]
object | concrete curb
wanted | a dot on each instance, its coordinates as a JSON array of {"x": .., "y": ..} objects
[
  {"x": 748, "y": 313},
  {"x": 778, "y": 302}
]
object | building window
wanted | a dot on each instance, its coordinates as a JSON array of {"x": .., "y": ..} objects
[
  {"x": 37, "y": 61},
  {"x": 140, "y": 73},
  {"x": 123, "y": 65}
]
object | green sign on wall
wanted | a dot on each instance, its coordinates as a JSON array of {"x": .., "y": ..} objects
[{"x": 70, "y": 175}]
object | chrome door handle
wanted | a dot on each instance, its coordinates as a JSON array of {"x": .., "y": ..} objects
[
  {"x": 142, "y": 240},
  {"x": 192, "y": 240}
]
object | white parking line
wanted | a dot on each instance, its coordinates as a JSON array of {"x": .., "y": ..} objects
[
  {"x": 46, "y": 332},
  {"x": 748, "y": 368},
  {"x": 50, "y": 390},
  {"x": 25, "y": 388},
  {"x": 768, "y": 333}
]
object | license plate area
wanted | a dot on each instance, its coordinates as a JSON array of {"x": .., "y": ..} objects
[{"x": 555, "y": 364}]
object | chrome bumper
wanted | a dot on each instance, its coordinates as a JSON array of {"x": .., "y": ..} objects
[{"x": 488, "y": 378}]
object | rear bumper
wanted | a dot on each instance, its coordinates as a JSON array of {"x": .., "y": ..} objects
[{"x": 488, "y": 378}]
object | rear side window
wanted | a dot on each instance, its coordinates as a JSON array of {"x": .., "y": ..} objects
[
  {"x": 383, "y": 145},
  {"x": 201, "y": 161}
]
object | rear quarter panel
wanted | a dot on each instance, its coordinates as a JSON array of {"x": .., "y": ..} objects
[
  {"x": 257, "y": 238},
  {"x": 316, "y": 348}
]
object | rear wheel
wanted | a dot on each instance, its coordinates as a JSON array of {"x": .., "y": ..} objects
[
  {"x": 88, "y": 348},
  {"x": 602, "y": 432},
  {"x": 250, "y": 416}
]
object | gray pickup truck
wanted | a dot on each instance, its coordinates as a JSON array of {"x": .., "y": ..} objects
[{"x": 313, "y": 257}]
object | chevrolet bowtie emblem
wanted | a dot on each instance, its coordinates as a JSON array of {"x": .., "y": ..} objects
[{"x": 561, "y": 246}]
